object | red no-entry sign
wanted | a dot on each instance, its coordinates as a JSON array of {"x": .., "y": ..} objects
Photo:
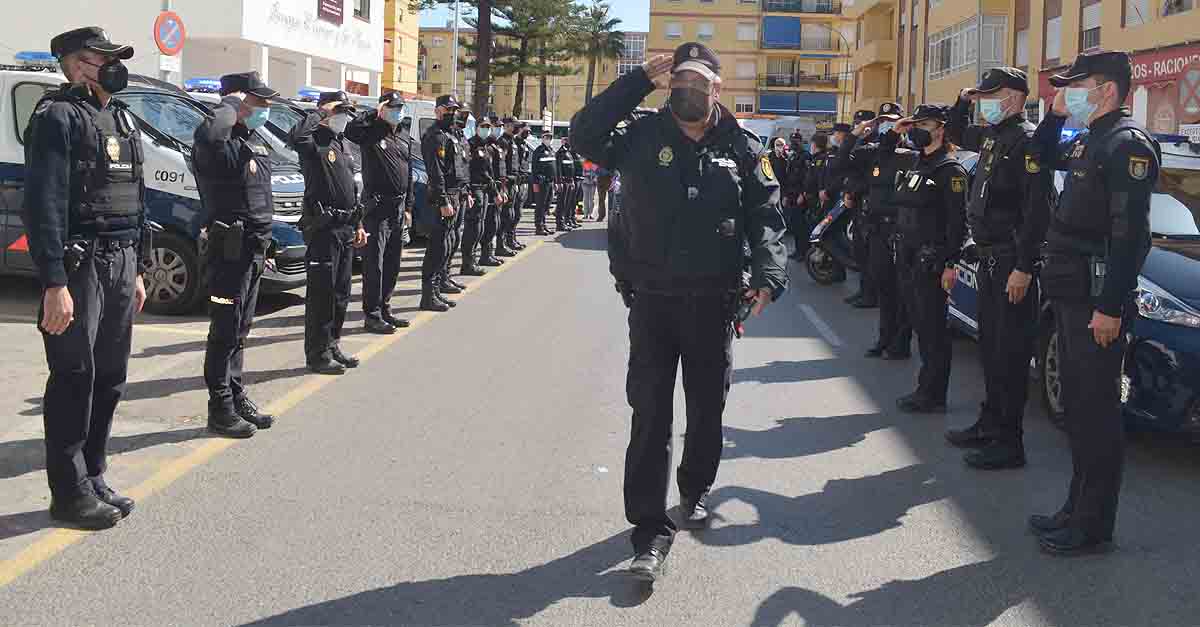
[{"x": 169, "y": 34}]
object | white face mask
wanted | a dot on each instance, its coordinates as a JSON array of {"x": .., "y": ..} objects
[{"x": 337, "y": 123}]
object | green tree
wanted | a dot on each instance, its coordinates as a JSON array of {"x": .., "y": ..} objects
[
  {"x": 483, "y": 49},
  {"x": 527, "y": 24},
  {"x": 598, "y": 39}
]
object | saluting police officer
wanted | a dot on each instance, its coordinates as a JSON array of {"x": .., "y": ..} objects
[
  {"x": 332, "y": 223},
  {"x": 833, "y": 183},
  {"x": 234, "y": 177},
  {"x": 854, "y": 195},
  {"x": 878, "y": 227},
  {"x": 443, "y": 198},
  {"x": 682, "y": 278},
  {"x": 930, "y": 197},
  {"x": 86, "y": 227},
  {"x": 1098, "y": 239},
  {"x": 545, "y": 177},
  {"x": 1007, "y": 216},
  {"x": 387, "y": 199}
]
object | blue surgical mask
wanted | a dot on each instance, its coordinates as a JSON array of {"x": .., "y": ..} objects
[
  {"x": 483, "y": 132},
  {"x": 1078, "y": 105},
  {"x": 257, "y": 118},
  {"x": 393, "y": 115},
  {"x": 469, "y": 127},
  {"x": 992, "y": 110},
  {"x": 497, "y": 131}
]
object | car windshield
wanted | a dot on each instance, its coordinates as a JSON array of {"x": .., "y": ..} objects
[
  {"x": 1171, "y": 218},
  {"x": 169, "y": 115}
]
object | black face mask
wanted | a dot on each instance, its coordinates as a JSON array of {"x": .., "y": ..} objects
[
  {"x": 920, "y": 138},
  {"x": 524, "y": 134},
  {"x": 689, "y": 105},
  {"x": 447, "y": 119},
  {"x": 112, "y": 76}
]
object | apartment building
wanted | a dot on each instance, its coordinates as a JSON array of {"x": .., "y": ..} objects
[
  {"x": 400, "y": 45},
  {"x": 781, "y": 57},
  {"x": 565, "y": 94}
]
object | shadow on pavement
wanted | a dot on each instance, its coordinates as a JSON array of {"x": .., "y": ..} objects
[
  {"x": 584, "y": 239},
  {"x": 20, "y": 457},
  {"x": 793, "y": 371},
  {"x": 483, "y": 599},
  {"x": 801, "y": 437},
  {"x": 159, "y": 388},
  {"x": 198, "y": 345},
  {"x": 13, "y": 525}
]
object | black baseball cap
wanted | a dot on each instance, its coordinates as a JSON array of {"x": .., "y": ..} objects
[
  {"x": 998, "y": 78},
  {"x": 547, "y": 133},
  {"x": 336, "y": 96},
  {"x": 1110, "y": 63},
  {"x": 90, "y": 38},
  {"x": 698, "y": 58},
  {"x": 843, "y": 127},
  {"x": 938, "y": 112},
  {"x": 246, "y": 82},
  {"x": 864, "y": 115},
  {"x": 391, "y": 99},
  {"x": 891, "y": 110},
  {"x": 448, "y": 101}
]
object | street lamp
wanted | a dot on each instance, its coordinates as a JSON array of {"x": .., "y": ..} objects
[{"x": 849, "y": 71}]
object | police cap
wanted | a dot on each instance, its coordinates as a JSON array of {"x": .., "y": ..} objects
[
  {"x": 391, "y": 99},
  {"x": 864, "y": 115},
  {"x": 938, "y": 112},
  {"x": 493, "y": 117},
  {"x": 344, "y": 106},
  {"x": 448, "y": 101},
  {"x": 998, "y": 78},
  {"x": 1115, "y": 64},
  {"x": 891, "y": 110},
  {"x": 698, "y": 58},
  {"x": 91, "y": 38},
  {"x": 247, "y": 83}
]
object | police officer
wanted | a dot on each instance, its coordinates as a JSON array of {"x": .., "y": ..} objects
[
  {"x": 878, "y": 222},
  {"x": 565, "y": 213},
  {"x": 485, "y": 190},
  {"x": 86, "y": 224},
  {"x": 443, "y": 198},
  {"x": 1007, "y": 216},
  {"x": 332, "y": 223},
  {"x": 854, "y": 194},
  {"x": 1097, "y": 242},
  {"x": 500, "y": 167},
  {"x": 464, "y": 129},
  {"x": 387, "y": 200},
  {"x": 544, "y": 166},
  {"x": 516, "y": 155},
  {"x": 792, "y": 192},
  {"x": 234, "y": 177},
  {"x": 930, "y": 198},
  {"x": 832, "y": 181},
  {"x": 810, "y": 205},
  {"x": 779, "y": 160},
  {"x": 681, "y": 278}
]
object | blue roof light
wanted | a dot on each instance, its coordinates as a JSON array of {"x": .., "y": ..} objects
[{"x": 34, "y": 57}]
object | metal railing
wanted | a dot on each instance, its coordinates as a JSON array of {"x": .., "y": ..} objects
[
  {"x": 828, "y": 7},
  {"x": 824, "y": 43},
  {"x": 794, "y": 80}
]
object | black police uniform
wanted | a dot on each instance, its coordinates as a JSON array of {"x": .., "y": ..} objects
[
  {"x": 512, "y": 165},
  {"x": 233, "y": 174},
  {"x": 856, "y": 189},
  {"x": 387, "y": 195},
  {"x": 1097, "y": 242},
  {"x": 544, "y": 164},
  {"x": 799, "y": 160},
  {"x": 833, "y": 181},
  {"x": 439, "y": 148},
  {"x": 483, "y": 188},
  {"x": 564, "y": 217},
  {"x": 687, "y": 211},
  {"x": 878, "y": 227},
  {"x": 930, "y": 197},
  {"x": 521, "y": 164},
  {"x": 497, "y": 209},
  {"x": 85, "y": 223},
  {"x": 331, "y": 218},
  {"x": 446, "y": 284},
  {"x": 1007, "y": 216},
  {"x": 780, "y": 166}
]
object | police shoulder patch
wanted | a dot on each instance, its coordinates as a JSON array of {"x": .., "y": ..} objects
[
  {"x": 958, "y": 184},
  {"x": 441, "y": 152},
  {"x": 1031, "y": 165},
  {"x": 1139, "y": 167},
  {"x": 765, "y": 162}
]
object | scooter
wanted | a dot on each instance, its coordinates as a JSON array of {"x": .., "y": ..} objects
[{"x": 832, "y": 243}]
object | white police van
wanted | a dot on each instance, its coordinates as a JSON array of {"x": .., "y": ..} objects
[{"x": 168, "y": 118}]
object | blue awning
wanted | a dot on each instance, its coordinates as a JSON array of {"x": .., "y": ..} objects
[
  {"x": 797, "y": 102},
  {"x": 781, "y": 32}
]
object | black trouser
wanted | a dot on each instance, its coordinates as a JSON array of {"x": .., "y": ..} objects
[
  {"x": 564, "y": 211},
  {"x": 1092, "y": 400},
  {"x": 455, "y": 231},
  {"x": 492, "y": 236},
  {"x": 509, "y": 226},
  {"x": 1006, "y": 336},
  {"x": 860, "y": 247},
  {"x": 663, "y": 331},
  {"x": 233, "y": 295},
  {"x": 87, "y": 365},
  {"x": 543, "y": 195},
  {"x": 473, "y": 223},
  {"x": 330, "y": 256},
  {"x": 381, "y": 262},
  {"x": 927, "y": 305},
  {"x": 437, "y": 251},
  {"x": 895, "y": 332}
]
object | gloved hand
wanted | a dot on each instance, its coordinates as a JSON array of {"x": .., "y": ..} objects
[{"x": 626, "y": 292}]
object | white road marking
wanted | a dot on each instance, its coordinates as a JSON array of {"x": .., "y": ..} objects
[{"x": 823, "y": 328}]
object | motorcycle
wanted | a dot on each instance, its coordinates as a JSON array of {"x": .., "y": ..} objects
[{"x": 831, "y": 250}]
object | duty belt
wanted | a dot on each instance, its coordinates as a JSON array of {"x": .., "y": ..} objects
[
  {"x": 996, "y": 250},
  {"x": 104, "y": 244},
  {"x": 684, "y": 287}
]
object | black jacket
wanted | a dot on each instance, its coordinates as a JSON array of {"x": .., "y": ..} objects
[
  {"x": 387, "y": 157},
  {"x": 688, "y": 209},
  {"x": 328, "y": 176}
]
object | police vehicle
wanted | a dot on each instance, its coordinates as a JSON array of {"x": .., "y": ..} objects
[
  {"x": 1160, "y": 385},
  {"x": 174, "y": 273}
]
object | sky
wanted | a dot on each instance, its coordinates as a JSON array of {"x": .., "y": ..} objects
[{"x": 634, "y": 14}]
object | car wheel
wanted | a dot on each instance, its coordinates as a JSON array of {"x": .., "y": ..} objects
[
  {"x": 172, "y": 276},
  {"x": 822, "y": 267},
  {"x": 1050, "y": 370}
]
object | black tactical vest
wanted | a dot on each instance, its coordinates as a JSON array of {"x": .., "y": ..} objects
[
  {"x": 499, "y": 159},
  {"x": 247, "y": 197},
  {"x": 918, "y": 201},
  {"x": 994, "y": 208},
  {"x": 461, "y": 157},
  {"x": 882, "y": 182}
]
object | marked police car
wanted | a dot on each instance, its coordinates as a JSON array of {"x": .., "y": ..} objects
[
  {"x": 1160, "y": 386},
  {"x": 174, "y": 272}
]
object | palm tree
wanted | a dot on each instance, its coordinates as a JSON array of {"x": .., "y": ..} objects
[{"x": 600, "y": 40}]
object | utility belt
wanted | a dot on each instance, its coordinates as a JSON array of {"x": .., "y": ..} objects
[
  {"x": 325, "y": 217},
  {"x": 481, "y": 187},
  {"x": 232, "y": 242},
  {"x": 1073, "y": 277},
  {"x": 77, "y": 250},
  {"x": 685, "y": 287},
  {"x": 922, "y": 257}
]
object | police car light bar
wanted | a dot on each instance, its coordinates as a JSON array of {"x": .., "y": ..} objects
[
  {"x": 31, "y": 57},
  {"x": 202, "y": 85},
  {"x": 308, "y": 94}
]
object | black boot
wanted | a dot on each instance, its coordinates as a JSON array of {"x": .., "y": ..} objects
[
  {"x": 343, "y": 358},
  {"x": 693, "y": 512},
  {"x": 226, "y": 421},
  {"x": 399, "y": 323},
  {"x": 378, "y": 326},
  {"x": 451, "y": 282},
  {"x": 503, "y": 251},
  {"x": 110, "y": 496},
  {"x": 471, "y": 269},
  {"x": 328, "y": 366},
  {"x": 648, "y": 565},
  {"x": 249, "y": 412},
  {"x": 1041, "y": 524},
  {"x": 86, "y": 511},
  {"x": 543, "y": 231},
  {"x": 997, "y": 455},
  {"x": 489, "y": 260},
  {"x": 429, "y": 299}
]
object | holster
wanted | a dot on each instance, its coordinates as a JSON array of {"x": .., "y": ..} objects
[
  {"x": 74, "y": 252},
  {"x": 228, "y": 240},
  {"x": 928, "y": 261}
]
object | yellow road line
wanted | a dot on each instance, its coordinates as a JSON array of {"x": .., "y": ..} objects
[{"x": 59, "y": 539}]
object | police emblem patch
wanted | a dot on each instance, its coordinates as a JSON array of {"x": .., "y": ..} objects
[
  {"x": 441, "y": 152},
  {"x": 958, "y": 184},
  {"x": 113, "y": 148},
  {"x": 693, "y": 52},
  {"x": 383, "y": 144},
  {"x": 332, "y": 156},
  {"x": 1031, "y": 165},
  {"x": 1139, "y": 168},
  {"x": 875, "y": 172},
  {"x": 766, "y": 168},
  {"x": 666, "y": 156},
  {"x": 253, "y": 167}
]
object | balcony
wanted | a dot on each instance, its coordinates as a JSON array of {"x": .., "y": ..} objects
[
  {"x": 821, "y": 43},
  {"x": 878, "y": 52},
  {"x": 768, "y": 81},
  {"x": 863, "y": 7},
  {"x": 824, "y": 7}
]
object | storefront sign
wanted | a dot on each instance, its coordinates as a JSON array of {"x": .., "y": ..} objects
[
  {"x": 297, "y": 25},
  {"x": 1163, "y": 65},
  {"x": 331, "y": 11}
]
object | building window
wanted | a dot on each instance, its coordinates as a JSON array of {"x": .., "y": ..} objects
[
  {"x": 422, "y": 68},
  {"x": 674, "y": 30},
  {"x": 743, "y": 104},
  {"x": 1021, "y": 54},
  {"x": 933, "y": 4},
  {"x": 437, "y": 67},
  {"x": 437, "y": 88},
  {"x": 704, "y": 31},
  {"x": 438, "y": 42},
  {"x": 1137, "y": 12},
  {"x": 362, "y": 9},
  {"x": 747, "y": 1},
  {"x": 1089, "y": 39},
  {"x": 746, "y": 69},
  {"x": 746, "y": 32},
  {"x": 957, "y": 48},
  {"x": 706, "y": 1},
  {"x": 635, "y": 53},
  {"x": 1053, "y": 38},
  {"x": 1089, "y": 27},
  {"x": 1171, "y": 7}
]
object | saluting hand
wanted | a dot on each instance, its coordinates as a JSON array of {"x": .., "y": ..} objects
[
  {"x": 1060, "y": 103},
  {"x": 658, "y": 70},
  {"x": 58, "y": 310}
]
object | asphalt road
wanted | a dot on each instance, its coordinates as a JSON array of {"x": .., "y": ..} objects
[{"x": 469, "y": 473}]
